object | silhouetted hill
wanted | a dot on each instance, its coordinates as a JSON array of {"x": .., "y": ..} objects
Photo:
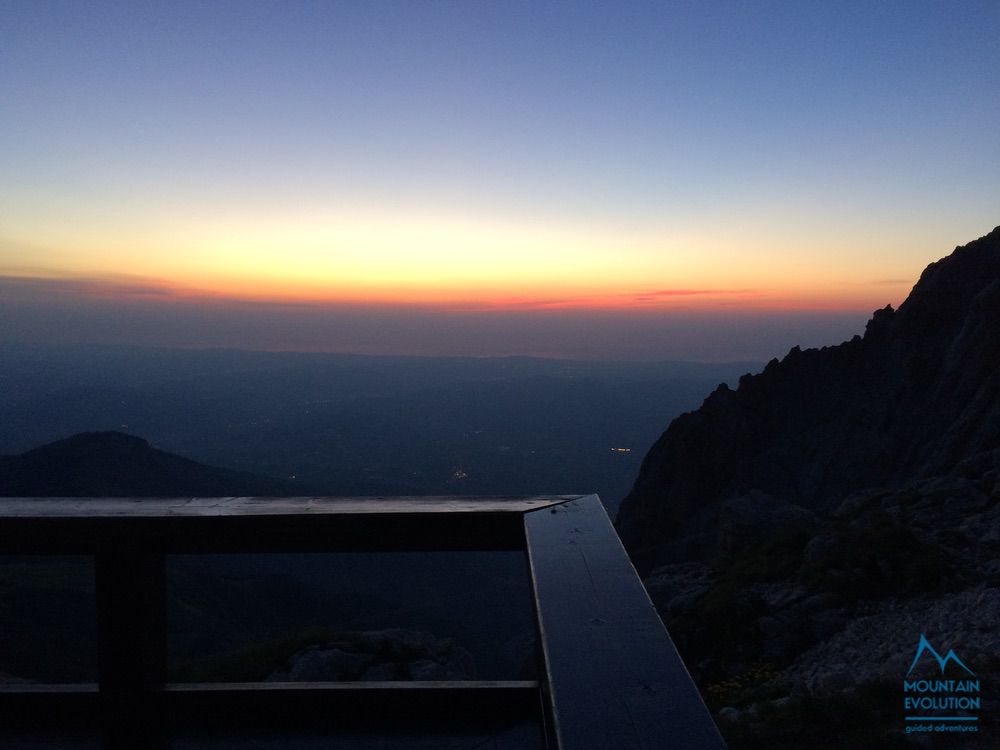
[
  {"x": 115, "y": 464},
  {"x": 358, "y": 425},
  {"x": 917, "y": 396}
]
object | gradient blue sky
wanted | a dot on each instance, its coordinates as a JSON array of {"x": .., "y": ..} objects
[{"x": 663, "y": 165}]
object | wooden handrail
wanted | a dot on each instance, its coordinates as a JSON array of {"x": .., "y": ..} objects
[{"x": 611, "y": 679}]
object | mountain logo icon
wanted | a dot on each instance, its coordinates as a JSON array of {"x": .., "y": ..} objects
[{"x": 941, "y": 660}]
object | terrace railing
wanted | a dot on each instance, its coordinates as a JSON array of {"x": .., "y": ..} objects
[{"x": 610, "y": 675}]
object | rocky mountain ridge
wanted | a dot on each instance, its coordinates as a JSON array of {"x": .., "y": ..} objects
[
  {"x": 800, "y": 534},
  {"x": 915, "y": 397}
]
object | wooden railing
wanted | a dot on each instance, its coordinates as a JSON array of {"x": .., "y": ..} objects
[{"x": 611, "y": 677}]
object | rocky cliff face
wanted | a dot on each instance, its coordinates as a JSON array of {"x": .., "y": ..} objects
[
  {"x": 917, "y": 396},
  {"x": 799, "y": 535}
]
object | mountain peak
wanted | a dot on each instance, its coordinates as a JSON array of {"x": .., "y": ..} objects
[{"x": 109, "y": 440}]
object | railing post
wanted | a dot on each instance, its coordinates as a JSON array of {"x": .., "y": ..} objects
[{"x": 131, "y": 645}]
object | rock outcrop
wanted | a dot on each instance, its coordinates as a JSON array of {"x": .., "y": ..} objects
[
  {"x": 799, "y": 534},
  {"x": 917, "y": 396},
  {"x": 379, "y": 655},
  {"x": 813, "y": 628}
]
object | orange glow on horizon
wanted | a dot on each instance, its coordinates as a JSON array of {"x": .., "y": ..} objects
[
  {"x": 449, "y": 262},
  {"x": 456, "y": 264},
  {"x": 472, "y": 298}
]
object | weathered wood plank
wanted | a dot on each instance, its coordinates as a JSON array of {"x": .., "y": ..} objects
[
  {"x": 444, "y": 686},
  {"x": 316, "y": 524},
  {"x": 158, "y": 507},
  {"x": 321, "y": 533},
  {"x": 614, "y": 677}
]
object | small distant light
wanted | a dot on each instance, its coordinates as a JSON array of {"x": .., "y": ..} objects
[{"x": 621, "y": 450}]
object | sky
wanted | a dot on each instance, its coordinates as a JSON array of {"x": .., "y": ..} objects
[{"x": 683, "y": 180}]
